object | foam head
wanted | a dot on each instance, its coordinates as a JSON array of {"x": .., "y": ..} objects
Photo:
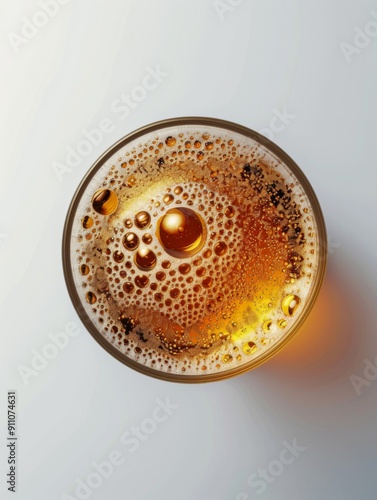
[{"x": 194, "y": 250}]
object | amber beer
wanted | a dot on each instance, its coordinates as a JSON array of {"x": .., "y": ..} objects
[{"x": 193, "y": 250}]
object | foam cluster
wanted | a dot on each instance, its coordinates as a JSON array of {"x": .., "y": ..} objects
[{"x": 193, "y": 249}]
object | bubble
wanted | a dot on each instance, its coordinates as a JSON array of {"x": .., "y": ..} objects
[
  {"x": 197, "y": 144},
  {"x": 227, "y": 358},
  {"x": 128, "y": 223},
  {"x": 290, "y": 304},
  {"x": 91, "y": 298},
  {"x": 145, "y": 259},
  {"x": 142, "y": 219},
  {"x": 128, "y": 287},
  {"x": 178, "y": 190},
  {"x": 174, "y": 293},
  {"x": 168, "y": 198},
  {"x": 105, "y": 202},
  {"x": 209, "y": 146},
  {"x": 282, "y": 323},
  {"x": 130, "y": 241},
  {"x": 220, "y": 248},
  {"x": 87, "y": 222},
  {"x": 207, "y": 282},
  {"x": 141, "y": 281},
  {"x": 160, "y": 275},
  {"x": 118, "y": 256},
  {"x": 181, "y": 232},
  {"x": 229, "y": 211},
  {"x": 201, "y": 271},
  {"x": 267, "y": 325},
  {"x": 147, "y": 238},
  {"x": 171, "y": 141},
  {"x": 184, "y": 268},
  {"x": 249, "y": 348},
  {"x": 166, "y": 264},
  {"x": 131, "y": 181},
  {"x": 84, "y": 269}
]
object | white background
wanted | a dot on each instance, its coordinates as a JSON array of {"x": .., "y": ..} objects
[{"x": 239, "y": 63}]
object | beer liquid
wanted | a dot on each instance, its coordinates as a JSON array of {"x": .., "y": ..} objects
[{"x": 193, "y": 249}]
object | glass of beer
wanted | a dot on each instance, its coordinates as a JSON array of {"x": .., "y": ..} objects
[{"x": 194, "y": 249}]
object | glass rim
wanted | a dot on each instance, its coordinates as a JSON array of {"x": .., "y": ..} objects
[{"x": 226, "y": 126}]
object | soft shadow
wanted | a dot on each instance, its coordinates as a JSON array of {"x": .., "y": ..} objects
[{"x": 330, "y": 346}]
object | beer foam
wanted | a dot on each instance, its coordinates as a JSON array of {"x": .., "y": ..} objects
[{"x": 225, "y": 284}]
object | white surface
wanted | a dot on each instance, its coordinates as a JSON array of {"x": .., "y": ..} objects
[{"x": 261, "y": 57}]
